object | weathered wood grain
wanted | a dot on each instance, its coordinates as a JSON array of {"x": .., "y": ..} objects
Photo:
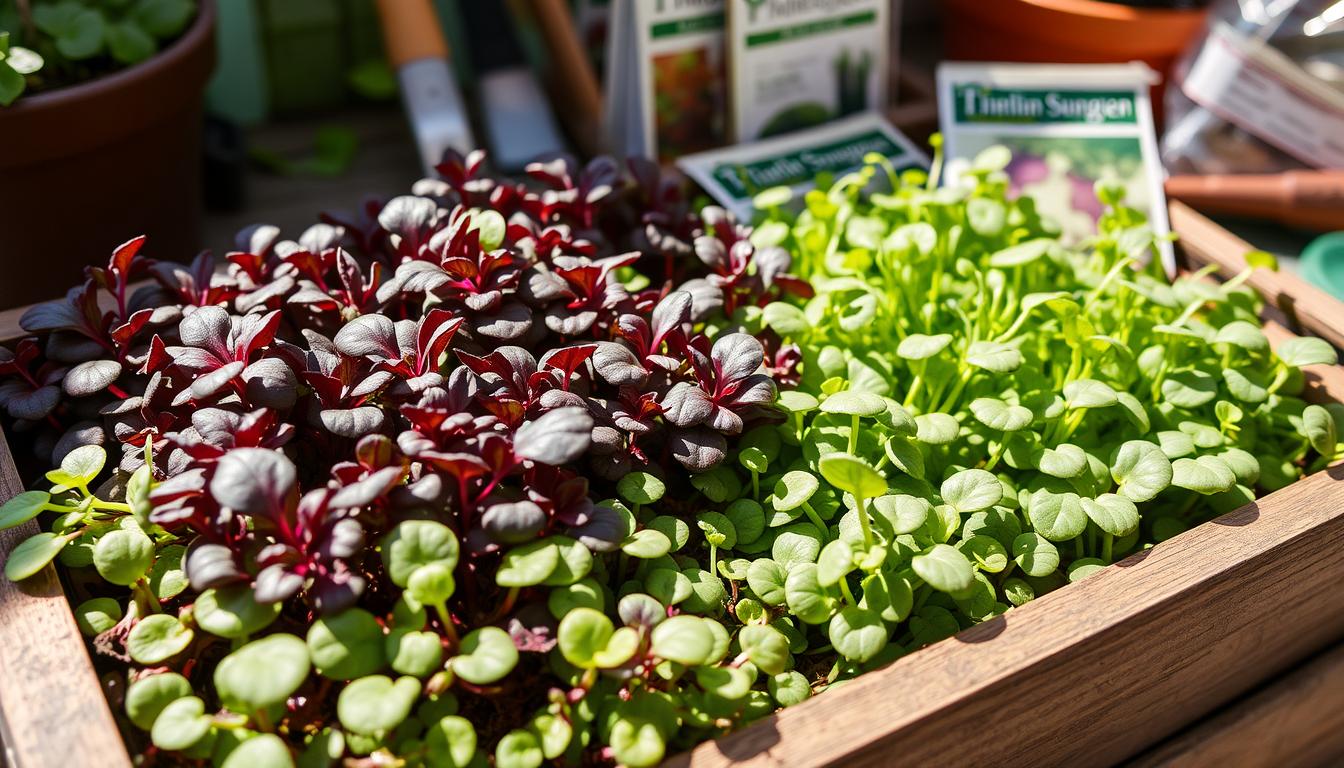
[
  {"x": 1204, "y": 242},
  {"x": 1295, "y": 722},
  {"x": 52, "y": 709},
  {"x": 1093, "y": 673}
]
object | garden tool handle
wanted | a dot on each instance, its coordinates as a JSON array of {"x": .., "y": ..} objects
[{"x": 411, "y": 31}]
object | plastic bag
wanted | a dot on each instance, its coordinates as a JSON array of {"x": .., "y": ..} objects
[{"x": 1261, "y": 92}]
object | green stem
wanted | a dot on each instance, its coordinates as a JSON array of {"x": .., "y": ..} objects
[
  {"x": 1107, "y": 547},
  {"x": 853, "y": 433},
  {"x": 849, "y": 596},
  {"x": 863, "y": 521},
  {"x": 446, "y": 619},
  {"x": 816, "y": 520}
]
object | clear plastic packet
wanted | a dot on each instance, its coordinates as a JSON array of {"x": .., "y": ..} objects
[{"x": 1261, "y": 92}]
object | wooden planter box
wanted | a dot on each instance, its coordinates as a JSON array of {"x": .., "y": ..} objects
[{"x": 1092, "y": 674}]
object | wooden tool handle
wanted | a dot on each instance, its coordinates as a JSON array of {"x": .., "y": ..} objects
[{"x": 411, "y": 31}]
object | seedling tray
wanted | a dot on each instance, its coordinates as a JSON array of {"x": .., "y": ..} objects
[{"x": 1092, "y": 674}]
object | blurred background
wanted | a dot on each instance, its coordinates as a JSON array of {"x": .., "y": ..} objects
[{"x": 190, "y": 119}]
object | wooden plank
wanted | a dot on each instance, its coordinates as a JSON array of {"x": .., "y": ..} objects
[
  {"x": 1204, "y": 242},
  {"x": 1092, "y": 673},
  {"x": 54, "y": 711},
  {"x": 1295, "y": 722}
]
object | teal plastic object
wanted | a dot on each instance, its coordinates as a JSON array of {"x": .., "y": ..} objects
[
  {"x": 1323, "y": 263},
  {"x": 238, "y": 90}
]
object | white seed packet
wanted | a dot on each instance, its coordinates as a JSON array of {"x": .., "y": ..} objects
[
  {"x": 734, "y": 175},
  {"x": 1067, "y": 126},
  {"x": 795, "y": 64},
  {"x": 665, "y": 77}
]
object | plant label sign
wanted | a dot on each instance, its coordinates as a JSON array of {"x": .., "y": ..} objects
[
  {"x": 794, "y": 65},
  {"x": 1067, "y": 127},
  {"x": 665, "y": 77},
  {"x": 734, "y": 175}
]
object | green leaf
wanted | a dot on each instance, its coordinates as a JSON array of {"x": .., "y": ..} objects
[
  {"x": 834, "y": 563},
  {"x": 937, "y": 428},
  {"x": 792, "y": 489},
  {"x": 582, "y": 635},
  {"x": 647, "y": 544},
  {"x": 985, "y": 552},
  {"x": 98, "y": 615},
  {"x": 917, "y": 346},
  {"x": 147, "y": 697},
  {"x": 84, "y": 463},
  {"x": 180, "y": 724},
  {"x": 1020, "y": 254},
  {"x": 1240, "y": 333},
  {"x": 263, "y": 673},
  {"x": 971, "y": 490},
  {"x": 641, "y": 488},
  {"x": 858, "y": 634},
  {"x": 416, "y": 543},
  {"x": 1063, "y": 461},
  {"x": 155, "y": 639},
  {"x": 431, "y": 584},
  {"x": 766, "y": 647},
  {"x": 375, "y": 704},
  {"x": 1141, "y": 469},
  {"x": 766, "y": 578},
  {"x": 728, "y": 683},
  {"x": 683, "y": 639},
  {"x": 12, "y": 84},
  {"x": 347, "y": 645},
  {"x": 902, "y": 512},
  {"x": 1307, "y": 350},
  {"x": 1189, "y": 389},
  {"x": 232, "y": 612},
  {"x": 789, "y": 688},
  {"x": 23, "y": 508},
  {"x": 486, "y": 656},
  {"x": 944, "y": 568},
  {"x": 795, "y": 545},
  {"x": 1056, "y": 512},
  {"x": 1089, "y": 393},
  {"x": 1317, "y": 424},
  {"x": 1203, "y": 474},
  {"x": 123, "y": 556},
  {"x": 994, "y": 357},
  {"x": 575, "y": 562},
  {"x": 1035, "y": 554},
  {"x": 163, "y": 18},
  {"x": 264, "y": 750},
  {"x": 81, "y": 37},
  {"x": 1113, "y": 514},
  {"x": 854, "y": 403},
  {"x": 529, "y": 564},
  {"x": 451, "y": 743},
  {"x": 518, "y": 749},
  {"x": 996, "y": 414},
  {"x": 33, "y": 555},
  {"x": 637, "y": 743},
  {"x": 1246, "y": 386},
  {"x": 414, "y": 653},
  {"x": 806, "y": 598},
  {"x": 852, "y": 475},
  {"x": 128, "y": 43}
]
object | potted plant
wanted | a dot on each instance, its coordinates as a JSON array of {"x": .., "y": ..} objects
[{"x": 102, "y": 101}]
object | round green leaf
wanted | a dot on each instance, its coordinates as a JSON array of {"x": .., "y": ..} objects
[
  {"x": 262, "y": 673},
  {"x": 123, "y": 556},
  {"x": 486, "y": 656},
  {"x": 167, "y": 577},
  {"x": 412, "y": 652},
  {"x": 795, "y": 545},
  {"x": 1113, "y": 514},
  {"x": 834, "y": 563},
  {"x": 917, "y": 346},
  {"x": 985, "y": 552},
  {"x": 971, "y": 490},
  {"x": 586, "y": 593},
  {"x": 647, "y": 544},
  {"x": 574, "y": 563},
  {"x": 805, "y": 596},
  {"x": 857, "y": 634},
  {"x": 180, "y": 724},
  {"x": 451, "y": 742},
  {"x": 265, "y": 750},
  {"x": 996, "y": 414},
  {"x": 518, "y": 749},
  {"x": 792, "y": 489},
  {"x": 853, "y": 475},
  {"x": 1319, "y": 427},
  {"x": 936, "y": 428},
  {"x": 84, "y": 463},
  {"x": 415, "y": 543},
  {"x": 1307, "y": 350},
  {"x": 346, "y": 645},
  {"x": 155, "y": 639},
  {"x": 1063, "y": 461},
  {"x": 98, "y": 615},
  {"x": 766, "y": 578},
  {"x": 1141, "y": 469},
  {"x": 728, "y": 683},
  {"x": 853, "y": 403},
  {"x": 944, "y": 568},
  {"x": 431, "y": 584},
  {"x": 1089, "y": 393},
  {"x": 766, "y": 647},
  {"x": 1203, "y": 474},
  {"x": 148, "y": 696},
  {"x": 641, "y": 488},
  {"x": 529, "y": 564},
  {"x": 376, "y": 703},
  {"x": 994, "y": 357},
  {"x": 789, "y": 688},
  {"x": 232, "y": 612},
  {"x": 1056, "y": 512},
  {"x": 582, "y": 635},
  {"x": 683, "y": 639},
  {"x": 1035, "y": 554}
]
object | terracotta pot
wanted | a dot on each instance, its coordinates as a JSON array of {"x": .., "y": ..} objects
[
  {"x": 85, "y": 168},
  {"x": 1067, "y": 31}
]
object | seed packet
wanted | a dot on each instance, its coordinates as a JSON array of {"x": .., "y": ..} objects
[
  {"x": 1067, "y": 127},
  {"x": 794, "y": 64},
  {"x": 665, "y": 77},
  {"x": 734, "y": 175}
]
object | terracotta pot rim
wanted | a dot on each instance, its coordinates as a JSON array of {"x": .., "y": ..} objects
[
  {"x": 1117, "y": 11},
  {"x": 181, "y": 49}
]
